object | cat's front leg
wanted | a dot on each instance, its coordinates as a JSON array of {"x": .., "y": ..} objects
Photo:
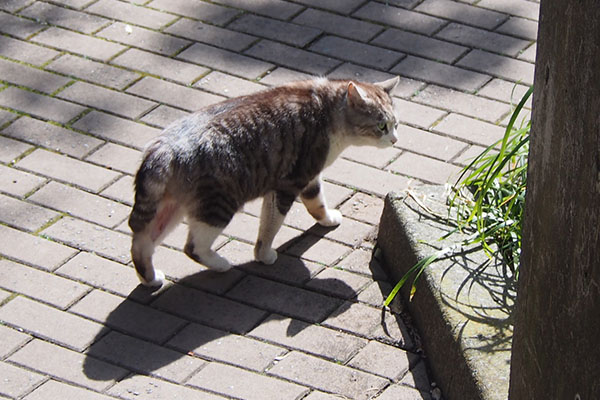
[
  {"x": 314, "y": 199},
  {"x": 275, "y": 206}
]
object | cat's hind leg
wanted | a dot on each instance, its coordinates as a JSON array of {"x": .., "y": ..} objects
[
  {"x": 201, "y": 236},
  {"x": 144, "y": 241},
  {"x": 314, "y": 199},
  {"x": 274, "y": 208}
]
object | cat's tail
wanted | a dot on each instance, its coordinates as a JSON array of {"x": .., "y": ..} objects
[{"x": 151, "y": 183}]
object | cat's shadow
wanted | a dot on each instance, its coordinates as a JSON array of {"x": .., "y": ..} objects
[{"x": 125, "y": 340}]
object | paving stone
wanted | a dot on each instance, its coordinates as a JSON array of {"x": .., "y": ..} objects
[
  {"x": 208, "y": 309},
  {"x": 425, "y": 168},
  {"x": 68, "y": 365},
  {"x": 354, "y": 317},
  {"x": 283, "y": 299},
  {"x": 468, "y": 155},
  {"x": 356, "y": 52},
  {"x": 462, "y": 103},
  {"x": 19, "y": 74},
  {"x": 281, "y": 75},
  {"x": 370, "y": 155},
  {"x": 140, "y": 387},
  {"x": 4, "y": 296},
  {"x": 7, "y": 116},
  {"x": 162, "y": 116},
  {"x": 343, "y": 7},
  {"x": 226, "y": 61},
  {"x": 93, "y": 71},
  {"x": 315, "y": 248},
  {"x": 127, "y": 316},
  {"x": 395, "y": 392},
  {"x": 40, "y": 285},
  {"x": 361, "y": 261},
  {"x": 227, "y": 85},
  {"x": 416, "y": 114},
  {"x": 338, "y": 25},
  {"x": 321, "y": 396},
  {"x": 417, "y": 378},
  {"x": 295, "y": 35},
  {"x": 469, "y": 129},
  {"x": 352, "y": 71},
  {"x": 176, "y": 95},
  {"x": 145, "y": 357},
  {"x": 383, "y": 360},
  {"x": 49, "y": 323},
  {"x": 442, "y": 74},
  {"x": 38, "y": 105},
  {"x": 197, "y": 9},
  {"x": 25, "y": 51},
  {"x": 52, "y": 137},
  {"x": 50, "y": 14},
  {"x": 143, "y": 38},
  {"x": 236, "y": 382},
  {"x": 392, "y": 330},
  {"x": 78, "y": 43},
  {"x": 525, "y": 9},
  {"x": 80, "y": 204},
  {"x": 474, "y": 37},
  {"x": 529, "y": 54},
  {"x": 14, "y": 5},
  {"x": 375, "y": 294},
  {"x": 48, "y": 255},
  {"x": 292, "y": 57},
  {"x": 368, "y": 179},
  {"x": 137, "y": 15},
  {"x": 16, "y": 381},
  {"x": 499, "y": 66},
  {"x": 90, "y": 237},
  {"x": 18, "y": 183},
  {"x": 117, "y": 129},
  {"x": 428, "y": 144},
  {"x": 11, "y": 340},
  {"x": 245, "y": 227},
  {"x": 67, "y": 169},
  {"x": 158, "y": 65},
  {"x": 519, "y": 27},
  {"x": 211, "y": 34},
  {"x": 419, "y": 45},
  {"x": 399, "y": 17},
  {"x": 19, "y": 27},
  {"x": 106, "y": 99},
  {"x": 117, "y": 157},
  {"x": 121, "y": 190},
  {"x": 363, "y": 208},
  {"x": 315, "y": 372},
  {"x": 78, "y": 4},
  {"x": 24, "y": 215},
  {"x": 217, "y": 345},
  {"x": 460, "y": 12},
  {"x": 270, "y": 8},
  {"x": 508, "y": 92},
  {"x": 58, "y": 390},
  {"x": 339, "y": 283}
]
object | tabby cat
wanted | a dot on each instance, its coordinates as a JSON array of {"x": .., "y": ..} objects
[{"x": 271, "y": 144}]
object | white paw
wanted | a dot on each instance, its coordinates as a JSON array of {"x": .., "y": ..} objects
[
  {"x": 216, "y": 263},
  {"x": 268, "y": 256},
  {"x": 159, "y": 278},
  {"x": 332, "y": 218}
]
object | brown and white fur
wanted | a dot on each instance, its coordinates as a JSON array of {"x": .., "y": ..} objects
[{"x": 271, "y": 144}]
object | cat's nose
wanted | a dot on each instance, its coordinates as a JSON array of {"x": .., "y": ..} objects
[{"x": 393, "y": 139}]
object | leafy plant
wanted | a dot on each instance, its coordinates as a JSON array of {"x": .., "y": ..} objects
[{"x": 488, "y": 202}]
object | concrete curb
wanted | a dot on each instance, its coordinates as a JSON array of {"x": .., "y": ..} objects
[{"x": 461, "y": 307}]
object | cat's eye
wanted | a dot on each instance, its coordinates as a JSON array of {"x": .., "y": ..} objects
[{"x": 382, "y": 126}]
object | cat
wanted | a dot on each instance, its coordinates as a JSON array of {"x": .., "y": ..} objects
[{"x": 271, "y": 144}]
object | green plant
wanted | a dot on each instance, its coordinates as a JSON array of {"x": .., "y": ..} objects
[{"x": 488, "y": 202}]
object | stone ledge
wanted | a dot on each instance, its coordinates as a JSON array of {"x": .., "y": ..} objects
[{"x": 461, "y": 307}]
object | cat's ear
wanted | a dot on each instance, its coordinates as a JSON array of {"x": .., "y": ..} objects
[
  {"x": 356, "y": 95},
  {"x": 388, "y": 85}
]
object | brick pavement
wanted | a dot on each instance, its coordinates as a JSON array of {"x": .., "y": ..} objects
[{"x": 85, "y": 83}]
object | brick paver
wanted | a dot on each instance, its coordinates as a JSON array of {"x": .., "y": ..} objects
[{"x": 84, "y": 85}]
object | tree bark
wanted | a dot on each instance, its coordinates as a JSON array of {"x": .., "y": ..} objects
[{"x": 556, "y": 344}]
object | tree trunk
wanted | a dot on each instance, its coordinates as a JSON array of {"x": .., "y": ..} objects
[{"x": 556, "y": 344}]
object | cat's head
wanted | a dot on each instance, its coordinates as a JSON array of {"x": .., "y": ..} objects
[{"x": 370, "y": 113}]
